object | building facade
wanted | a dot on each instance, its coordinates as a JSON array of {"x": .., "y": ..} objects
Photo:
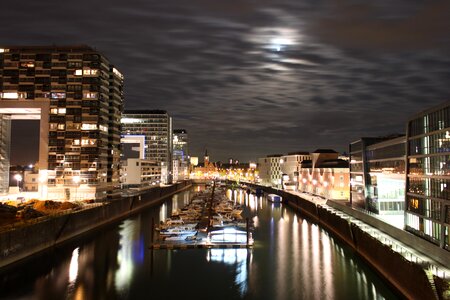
[
  {"x": 290, "y": 168},
  {"x": 181, "y": 157},
  {"x": 377, "y": 171},
  {"x": 156, "y": 127},
  {"x": 77, "y": 95},
  {"x": 325, "y": 175},
  {"x": 269, "y": 170},
  {"x": 428, "y": 175},
  {"x": 140, "y": 173}
]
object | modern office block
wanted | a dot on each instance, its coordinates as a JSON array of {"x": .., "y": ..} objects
[
  {"x": 377, "y": 171},
  {"x": 156, "y": 127},
  {"x": 270, "y": 170},
  {"x": 77, "y": 95},
  {"x": 428, "y": 175},
  {"x": 181, "y": 157}
]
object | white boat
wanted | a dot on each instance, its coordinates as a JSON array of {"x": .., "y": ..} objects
[
  {"x": 178, "y": 230},
  {"x": 180, "y": 237},
  {"x": 274, "y": 198}
]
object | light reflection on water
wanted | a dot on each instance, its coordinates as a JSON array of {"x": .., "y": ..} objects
[
  {"x": 292, "y": 259},
  {"x": 239, "y": 258}
]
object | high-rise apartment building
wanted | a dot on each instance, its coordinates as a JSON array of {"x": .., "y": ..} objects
[
  {"x": 77, "y": 95},
  {"x": 156, "y": 127},
  {"x": 428, "y": 175}
]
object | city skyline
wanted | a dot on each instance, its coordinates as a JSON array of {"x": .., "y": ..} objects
[{"x": 252, "y": 79}]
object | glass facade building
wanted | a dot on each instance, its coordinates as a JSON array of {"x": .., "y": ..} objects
[
  {"x": 377, "y": 172},
  {"x": 156, "y": 127},
  {"x": 428, "y": 175},
  {"x": 181, "y": 154}
]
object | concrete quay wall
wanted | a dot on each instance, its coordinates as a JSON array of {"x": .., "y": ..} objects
[
  {"x": 408, "y": 278},
  {"x": 24, "y": 241}
]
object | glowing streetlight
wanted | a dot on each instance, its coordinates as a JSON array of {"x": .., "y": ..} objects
[
  {"x": 18, "y": 177},
  {"x": 76, "y": 180}
]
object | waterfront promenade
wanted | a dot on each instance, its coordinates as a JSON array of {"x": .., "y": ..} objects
[
  {"x": 408, "y": 262},
  {"x": 407, "y": 251}
]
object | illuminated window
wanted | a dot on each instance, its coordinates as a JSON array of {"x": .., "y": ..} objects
[
  {"x": 90, "y": 95},
  {"x": 61, "y": 110},
  {"x": 53, "y": 126},
  {"x": 76, "y": 142},
  {"x": 53, "y": 111},
  {"x": 10, "y": 95},
  {"x": 61, "y": 126},
  {"x": 85, "y": 126},
  {"x": 90, "y": 72},
  {"x": 28, "y": 64},
  {"x": 78, "y": 72},
  {"x": 90, "y": 142},
  {"x": 58, "y": 95},
  {"x": 103, "y": 128}
]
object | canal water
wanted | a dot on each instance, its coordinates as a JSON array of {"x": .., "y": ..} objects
[{"x": 292, "y": 258}]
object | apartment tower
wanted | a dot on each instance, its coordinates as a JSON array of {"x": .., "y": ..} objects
[{"x": 77, "y": 95}]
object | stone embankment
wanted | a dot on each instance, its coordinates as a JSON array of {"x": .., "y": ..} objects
[{"x": 29, "y": 238}]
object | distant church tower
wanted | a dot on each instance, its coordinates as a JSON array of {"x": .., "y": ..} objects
[{"x": 206, "y": 158}]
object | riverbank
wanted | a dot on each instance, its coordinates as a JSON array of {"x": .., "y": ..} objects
[
  {"x": 412, "y": 279},
  {"x": 30, "y": 238}
]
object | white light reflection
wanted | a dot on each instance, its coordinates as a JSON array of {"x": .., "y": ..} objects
[
  {"x": 163, "y": 212},
  {"x": 327, "y": 269},
  {"x": 306, "y": 257},
  {"x": 281, "y": 258},
  {"x": 315, "y": 253},
  {"x": 125, "y": 255},
  {"x": 73, "y": 269},
  {"x": 237, "y": 257},
  {"x": 174, "y": 203},
  {"x": 255, "y": 221},
  {"x": 253, "y": 202}
]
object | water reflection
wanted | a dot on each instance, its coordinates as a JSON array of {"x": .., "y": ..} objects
[
  {"x": 240, "y": 258},
  {"x": 129, "y": 254},
  {"x": 73, "y": 269},
  {"x": 292, "y": 259}
]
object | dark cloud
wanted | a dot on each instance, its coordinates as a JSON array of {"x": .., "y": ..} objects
[{"x": 248, "y": 78}]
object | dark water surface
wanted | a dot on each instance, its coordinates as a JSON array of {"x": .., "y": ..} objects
[{"x": 292, "y": 259}]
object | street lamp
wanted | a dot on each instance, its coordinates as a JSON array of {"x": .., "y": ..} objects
[
  {"x": 76, "y": 180},
  {"x": 18, "y": 177}
]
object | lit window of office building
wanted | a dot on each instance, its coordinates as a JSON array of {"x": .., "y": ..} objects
[
  {"x": 76, "y": 94},
  {"x": 428, "y": 175}
]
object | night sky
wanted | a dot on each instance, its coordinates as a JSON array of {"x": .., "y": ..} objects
[{"x": 250, "y": 78}]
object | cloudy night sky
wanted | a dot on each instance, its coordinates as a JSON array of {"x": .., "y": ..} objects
[{"x": 251, "y": 78}]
